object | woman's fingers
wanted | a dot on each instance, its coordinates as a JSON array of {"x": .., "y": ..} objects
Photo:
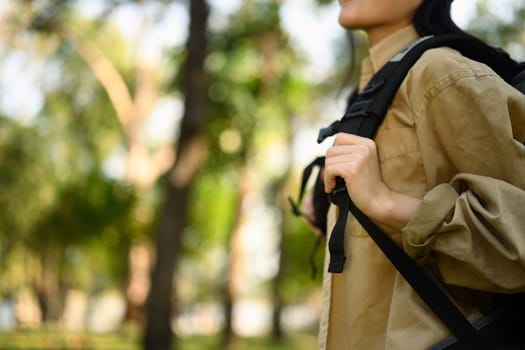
[
  {"x": 351, "y": 139},
  {"x": 354, "y": 159},
  {"x": 347, "y": 161}
]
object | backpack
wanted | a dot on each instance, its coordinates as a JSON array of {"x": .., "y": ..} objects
[{"x": 504, "y": 327}]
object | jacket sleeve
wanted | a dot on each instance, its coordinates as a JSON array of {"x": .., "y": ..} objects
[{"x": 472, "y": 226}]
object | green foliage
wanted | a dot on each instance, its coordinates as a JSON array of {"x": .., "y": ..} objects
[
  {"x": 52, "y": 197},
  {"x": 324, "y": 2},
  {"x": 507, "y": 33},
  {"x": 250, "y": 64},
  {"x": 56, "y": 195},
  {"x": 304, "y": 262},
  {"x": 92, "y": 215},
  {"x": 84, "y": 208},
  {"x": 22, "y": 179},
  {"x": 213, "y": 211}
]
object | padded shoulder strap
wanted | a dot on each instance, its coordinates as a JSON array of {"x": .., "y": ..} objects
[{"x": 366, "y": 113}]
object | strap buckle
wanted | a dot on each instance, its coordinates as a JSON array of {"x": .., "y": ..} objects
[
  {"x": 328, "y": 131},
  {"x": 358, "y": 109}
]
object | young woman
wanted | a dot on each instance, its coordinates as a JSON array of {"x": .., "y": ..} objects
[{"x": 444, "y": 176}]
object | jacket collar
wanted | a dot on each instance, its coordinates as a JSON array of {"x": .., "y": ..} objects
[{"x": 380, "y": 53}]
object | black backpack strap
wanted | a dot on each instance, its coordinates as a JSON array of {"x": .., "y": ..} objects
[
  {"x": 519, "y": 79},
  {"x": 363, "y": 118},
  {"x": 365, "y": 114},
  {"x": 320, "y": 208},
  {"x": 307, "y": 173}
]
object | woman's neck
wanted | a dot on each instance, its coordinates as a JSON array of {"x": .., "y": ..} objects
[{"x": 378, "y": 33}]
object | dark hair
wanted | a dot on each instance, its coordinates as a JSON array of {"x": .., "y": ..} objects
[{"x": 433, "y": 18}]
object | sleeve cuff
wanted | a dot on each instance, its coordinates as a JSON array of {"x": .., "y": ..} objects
[{"x": 418, "y": 235}]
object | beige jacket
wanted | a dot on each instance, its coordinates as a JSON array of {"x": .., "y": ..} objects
[{"x": 452, "y": 137}]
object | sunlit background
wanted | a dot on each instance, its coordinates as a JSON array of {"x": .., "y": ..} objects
[{"x": 112, "y": 184}]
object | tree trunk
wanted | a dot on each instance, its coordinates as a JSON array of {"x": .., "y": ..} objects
[
  {"x": 235, "y": 259},
  {"x": 47, "y": 288},
  {"x": 190, "y": 156},
  {"x": 277, "y": 300}
]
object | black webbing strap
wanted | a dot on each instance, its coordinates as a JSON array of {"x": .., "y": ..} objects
[
  {"x": 307, "y": 172},
  {"x": 296, "y": 206},
  {"x": 336, "y": 244}
]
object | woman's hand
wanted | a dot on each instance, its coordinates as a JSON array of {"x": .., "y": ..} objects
[
  {"x": 354, "y": 158},
  {"x": 309, "y": 213}
]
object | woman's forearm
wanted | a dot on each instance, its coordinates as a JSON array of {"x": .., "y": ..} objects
[{"x": 393, "y": 210}]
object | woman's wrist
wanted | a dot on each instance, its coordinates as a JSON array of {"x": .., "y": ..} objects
[{"x": 393, "y": 209}]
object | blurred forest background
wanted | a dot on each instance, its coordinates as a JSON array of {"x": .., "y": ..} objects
[{"x": 147, "y": 150}]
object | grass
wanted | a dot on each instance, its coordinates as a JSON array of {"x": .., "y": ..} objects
[
  {"x": 49, "y": 338},
  {"x": 296, "y": 342}
]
